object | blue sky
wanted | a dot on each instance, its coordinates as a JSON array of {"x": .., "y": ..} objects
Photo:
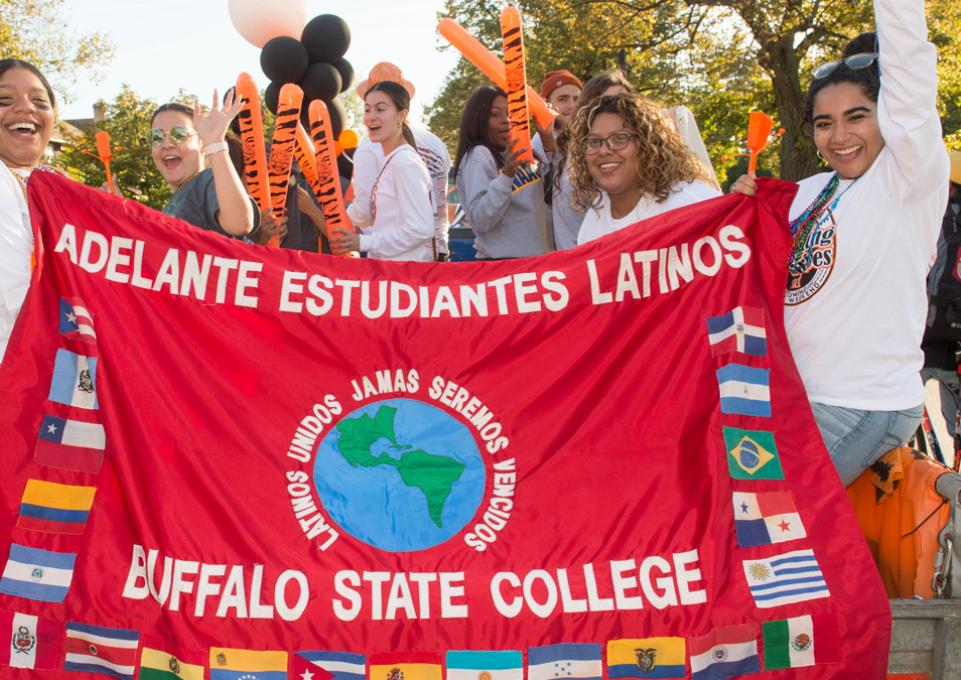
[{"x": 163, "y": 45}]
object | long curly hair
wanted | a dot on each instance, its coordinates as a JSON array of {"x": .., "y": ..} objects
[{"x": 664, "y": 159}]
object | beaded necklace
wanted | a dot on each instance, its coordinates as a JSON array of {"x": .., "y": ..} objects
[{"x": 804, "y": 224}]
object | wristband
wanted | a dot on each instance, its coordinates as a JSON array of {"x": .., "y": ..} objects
[{"x": 216, "y": 147}]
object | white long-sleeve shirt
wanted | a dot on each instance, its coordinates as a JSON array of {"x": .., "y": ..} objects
[
  {"x": 855, "y": 323},
  {"x": 16, "y": 243}
]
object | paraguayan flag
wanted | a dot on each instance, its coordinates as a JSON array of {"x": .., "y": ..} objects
[{"x": 783, "y": 579}]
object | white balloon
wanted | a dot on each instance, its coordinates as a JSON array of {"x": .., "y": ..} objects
[{"x": 258, "y": 21}]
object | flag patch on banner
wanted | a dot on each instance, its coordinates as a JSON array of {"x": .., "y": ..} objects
[
  {"x": 578, "y": 661},
  {"x": 158, "y": 664},
  {"x": 740, "y": 330},
  {"x": 745, "y": 390},
  {"x": 74, "y": 380},
  {"x": 55, "y": 508},
  {"x": 659, "y": 657},
  {"x": 488, "y": 665},
  {"x": 76, "y": 320},
  {"x": 70, "y": 444},
  {"x": 724, "y": 653},
  {"x": 234, "y": 664},
  {"x": 766, "y": 518},
  {"x": 801, "y": 641},
  {"x": 96, "y": 649},
  {"x": 342, "y": 665},
  {"x": 32, "y": 642},
  {"x": 37, "y": 574},
  {"x": 787, "y": 578},
  {"x": 752, "y": 454},
  {"x": 414, "y": 666}
]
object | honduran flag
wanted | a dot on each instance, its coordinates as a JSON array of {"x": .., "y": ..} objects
[
  {"x": 243, "y": 664},
  {"x": 801, "y": 641},
  {"x": 76, "y": 320},
  {"x": 32, "y": 642},
  {"x": 490, "y": 665},
  {"x": 724, "y": 653},
  {"x": 766, "y": 518},
  {"x": 341, "y": 665},
  {"x": 37, "y": 574},
  {"x": 74, "y": 380},
  {"x": 55, "y": 508},
  {"x": 577, "y": 661},
  {"x": 96, "y": 649},
  {"x": 740, "y": 330},
  {"x": 410, "y": 666},
  {"x": 745, "y": 390},
  {"x": 659, "y": 657},
  {"x": 70, "y": 444}
]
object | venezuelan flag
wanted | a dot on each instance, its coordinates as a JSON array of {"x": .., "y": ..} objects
[
  {"x": 55, "y": 508},
  {"x": 413, "y": 666},
  {"x": 661, "y": 657},
  {"x": 234, "y": 664}
]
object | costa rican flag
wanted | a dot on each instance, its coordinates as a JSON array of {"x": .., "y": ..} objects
[
  {"x": 96, "y": 649},
  {"x": 740, "y": 330},
  {"x": 76, "y": 320}
]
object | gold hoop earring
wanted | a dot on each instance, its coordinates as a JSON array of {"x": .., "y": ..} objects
[{"x": 820, "y": 157}]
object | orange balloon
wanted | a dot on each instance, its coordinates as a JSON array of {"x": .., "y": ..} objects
[
  {"x": 348, "y": 139},
  {"x": 384, "y": 70}
]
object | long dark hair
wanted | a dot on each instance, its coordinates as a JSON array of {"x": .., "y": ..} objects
[
  {"x": 595, "y": 87},
  {"x": 7, "y": 64},
  {"x": 868, "y": 78},
  {"x": 474, "y": 123},
  {"x": 400, "y": 98}
]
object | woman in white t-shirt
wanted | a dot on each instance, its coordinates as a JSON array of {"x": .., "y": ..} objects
[
  {"x": 864, "y": 238},
  {"x": 398, "y": 222},
  {"x": 26, "y": 122},
  {"x": 627, "y": 163}
]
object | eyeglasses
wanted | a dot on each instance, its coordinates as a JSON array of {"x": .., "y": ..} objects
[
  {"x": 178, "y": 135},
  {"x": 614, "y": 142},
  {"x": 855, "y": 62}
]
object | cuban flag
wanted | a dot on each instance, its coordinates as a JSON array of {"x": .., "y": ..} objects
[
  {"x": 342, "y": 665},
  {"x": 784, "y": 579},
  {"x": 37, "y": 574},
  {"x": 744, "y": 390},
  {"x": 740, "y": 330},
  {"x": 70, "y": 444},
  {"x": 724, "y": 653},
  {"x": 96, "y": 649},
  {"x": 75, "y": 320},
  {"x": 577, "y": 661},
  {"x": 766, "y": 518},
  {"x": 74, "y": 380}
]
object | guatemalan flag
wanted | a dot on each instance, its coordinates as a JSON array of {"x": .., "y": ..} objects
[
  {"x": 740, "y": 330},
  {"x": 724, "y": 653},
  {"x": 76, "y": 320},
  {"x": 74, "y": 380}
]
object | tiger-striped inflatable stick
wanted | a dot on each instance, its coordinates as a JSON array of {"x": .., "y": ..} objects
[
  {"x": 251, "y": 121},
  {"x": 328, "y": 193},
  {"x": 516, "y": 72},
  {"x": 282, "y": 147}
]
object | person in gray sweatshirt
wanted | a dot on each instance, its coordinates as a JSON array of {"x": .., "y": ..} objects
[{"x": 502, "y": 198}]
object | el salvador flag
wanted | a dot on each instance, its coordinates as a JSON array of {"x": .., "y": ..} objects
[
  {"x": 744, "y": 390},
  {"x": 74, "y": 380},
  {"x": 37, "y": 574}
]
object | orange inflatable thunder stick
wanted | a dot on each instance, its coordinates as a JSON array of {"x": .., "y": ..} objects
[
  {"x": 328, "y": 191},
  {"x": 282, "y": 148},
  {"x": 516, "y": 73},
  {"x": 251, "y": 121},
  {"x": 103, "y": 150},
  {"x": 759, "y": 129}
]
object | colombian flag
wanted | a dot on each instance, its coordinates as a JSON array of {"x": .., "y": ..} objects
[
  {"x": 659, "y": 657},
  {"x": 234, "y": 664},
  {"x": 55, "y": 508},
  {"x": 413, "y": 666}
]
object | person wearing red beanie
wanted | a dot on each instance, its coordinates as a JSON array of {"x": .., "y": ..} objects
[{"x": 561, "y": 89}]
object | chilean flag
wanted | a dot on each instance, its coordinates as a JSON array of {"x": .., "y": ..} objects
[{"x": 740, "y": 330}]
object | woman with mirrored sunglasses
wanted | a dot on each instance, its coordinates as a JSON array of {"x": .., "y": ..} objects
[
  {"x": 628, "y": 163},
  {"x": 864, "y": 236},
  {"x": 183, "y": 141}
]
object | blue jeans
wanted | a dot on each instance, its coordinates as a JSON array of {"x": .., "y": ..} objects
[{"x": 856, "y": 439}]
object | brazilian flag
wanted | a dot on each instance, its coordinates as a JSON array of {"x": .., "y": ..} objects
[{"x": 752, "y": 454}]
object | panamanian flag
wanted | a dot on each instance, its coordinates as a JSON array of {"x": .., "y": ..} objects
[
  {"x": 745, "y": 390},
  {"x": 740, "y": 330},
  {"x": 766, "y": 518},
  {"x": 724, "y": 653},
  {"x": 75, "y": 320}
]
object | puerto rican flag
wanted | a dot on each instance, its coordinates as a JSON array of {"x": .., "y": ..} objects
[
  {"x": 740, "y": 330},
  {"x": 76, "y": 320}
]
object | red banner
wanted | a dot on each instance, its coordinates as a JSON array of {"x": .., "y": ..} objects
[{"x": 601, "y": 457}]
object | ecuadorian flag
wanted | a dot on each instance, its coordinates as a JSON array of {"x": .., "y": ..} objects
[
  {"x": 234, "y": 664},
  {"x": 55, "y": 508},
  {"x": 660, "y": 657}
]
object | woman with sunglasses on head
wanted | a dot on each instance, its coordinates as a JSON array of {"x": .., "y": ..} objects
[
  {"x": 627, "y": 164},
  {"x": 184, "y": 140},
  {"x": 27, "y": 117},
  {"x": 865, "y": 235},
  {"x": 398, "y": 221}
]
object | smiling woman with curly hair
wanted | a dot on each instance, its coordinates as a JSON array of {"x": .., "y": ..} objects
[{"x": 627, "y": 163}]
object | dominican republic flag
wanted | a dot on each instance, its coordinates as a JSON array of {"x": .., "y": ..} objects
[
  {"x": 740, "y": 330},
  {"x": 766, "y": 518},
  {"x": 32, "y": 642},
  {"x": 783, "y": 579},
  {"x": 577, "y": 661},
  {"x": 70, "y": 444},
  {"x": 744, "y": 390},
  {"x": 75, "y": 320},
  {"x": 74, "y": 380},
  {"x": 95, "y": 649},
  {"x": 490, "y": 665},
  {"x": 724, "y": 653},
  {"x": 341, "y": 665},
  {"x": 55, "y": 508},
  {"x": 801, "y": 641},
  {"x": 37, "y": 574}
]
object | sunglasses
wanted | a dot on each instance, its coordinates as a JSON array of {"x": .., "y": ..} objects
[
  {"x": 855, "y": 62},
  {"x": 178, "y": 135},
  {"x": 614, "y": 142}
]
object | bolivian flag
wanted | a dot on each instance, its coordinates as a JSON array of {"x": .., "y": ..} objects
[
  {"x": 660, "y": 657},
  {"x": 156, "y": 664},
  {"x": 411, "y": 666},
  {"x": 234, "y": 664}
]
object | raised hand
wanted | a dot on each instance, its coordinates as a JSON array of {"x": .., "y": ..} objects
[{"x": 212, "y": 127}]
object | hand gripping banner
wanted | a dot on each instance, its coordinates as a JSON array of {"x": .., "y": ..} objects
[{"x": 229, "y": 461}]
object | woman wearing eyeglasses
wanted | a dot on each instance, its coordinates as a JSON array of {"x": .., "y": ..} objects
[
  {"x": 627, "y": 163},
  {"x": 184, "y": 140},
  {"x": 865, "y": 235}
]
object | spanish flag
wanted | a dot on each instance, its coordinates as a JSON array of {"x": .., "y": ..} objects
[
  {"x": 410, "y": 666},
  {"x": 234, "y": 664},
  {"x": 55, "y": 508},
  {"x": 660, "y": 657}
]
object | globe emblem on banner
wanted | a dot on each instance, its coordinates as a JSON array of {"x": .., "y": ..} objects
[{"x": 400, "y": 475}]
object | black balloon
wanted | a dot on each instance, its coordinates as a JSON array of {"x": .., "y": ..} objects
[
  {"x": 338, "y": 116},
  {"x": 321, "y": 82},
  {"x": 271, "y": 96},
  {"x": 345, "y": 167},
  {"x": 284, "y": 59},
  {"x": 346, "y": 73},
  {"x": 326, "y": 38}
]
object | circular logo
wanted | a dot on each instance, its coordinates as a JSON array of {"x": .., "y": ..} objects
[
  {"x": 810, "y": 268},
  {"x": 801, "y": 642},
  {"x": 400, "y": 475}
]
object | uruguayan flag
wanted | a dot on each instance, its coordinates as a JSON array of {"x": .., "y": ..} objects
[
  {"x": 74, "y": 380},
  {"x": 581, "y": 661},
  {"x": 37, "y": 574},
  {"x": 744, "y": 390},
  {"x": 787, "y": 578}
]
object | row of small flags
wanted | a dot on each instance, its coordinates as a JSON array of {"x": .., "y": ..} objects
[{"x": 725, "y": 652}]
